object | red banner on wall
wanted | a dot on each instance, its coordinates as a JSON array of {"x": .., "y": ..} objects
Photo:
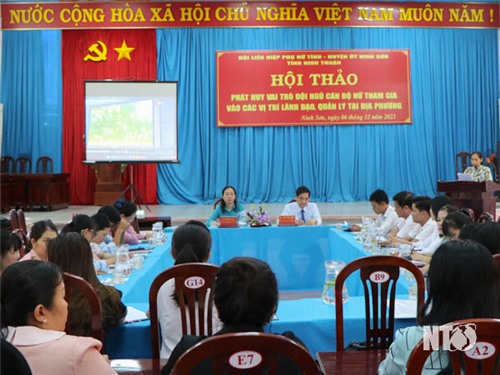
[
  {"x": 313, "y": 87},
  {"x": 151, "y": 14}
]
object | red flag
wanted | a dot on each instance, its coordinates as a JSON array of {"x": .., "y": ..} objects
[{"x": 96, "y": 55}]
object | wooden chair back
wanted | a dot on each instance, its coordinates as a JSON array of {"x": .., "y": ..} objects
[
  {"x": 217, "y": 202},
  {"x": 469, "y": 212},
  {"x": 194, "y": 285},
  {"x": 44, "y": 164},
  {"x": 72, "y": 283},
  {"x": 8, "y": 164},
  {"x": 462, "y": 161},
  {"x": 23, "y": 164},
  {"x": 24, "y": 239},
  {"x": 379, "y": 275},
  {"x": 246, "y": 353},
  {"x": 486, "y": 217},
  {"x": 14, "y": 220},
  {"x": 496, "y": 258},
  {"x": 482, "y": 358},
  {"x": 135, "y": 225},
  {"x": 21, "y": 220}
]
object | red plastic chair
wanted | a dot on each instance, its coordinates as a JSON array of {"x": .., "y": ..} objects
[
  {"x": 194, "y": 285},
  {"x": 379, "y": 275},
  {"x": 246, "y": 353},
  {"x": 483, "y": 358},
  {"x": 73, "y": 282}
]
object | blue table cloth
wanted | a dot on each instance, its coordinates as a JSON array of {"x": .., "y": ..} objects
[{"x": 296, "y": 254}]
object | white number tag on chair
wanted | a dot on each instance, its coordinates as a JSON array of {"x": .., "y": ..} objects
[
  {"x": 379, "y": 277},
  {"x": 194, "y": 282},
  {"x": 245, "y": 359},
  {"x": 481, "y": 350}
]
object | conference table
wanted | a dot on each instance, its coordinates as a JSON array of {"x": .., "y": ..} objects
[{"x": 296, "y": 254}]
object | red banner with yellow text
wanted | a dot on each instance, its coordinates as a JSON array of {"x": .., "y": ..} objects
[
  {"x": 313, "y": 87},
  {"x": 151, "y": 14}
]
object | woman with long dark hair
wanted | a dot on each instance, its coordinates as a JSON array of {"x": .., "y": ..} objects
[
  {"x": 34, "y": 314},
  {"x": 72, "y": 252},
  {"x": 463, "y": 283}
]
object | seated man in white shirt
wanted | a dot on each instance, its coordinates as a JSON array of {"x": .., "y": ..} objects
[
  {"x": 386, "y": 219},
  {"x": 305, "y": 212},
  {"x": 421, "y": 213},
  {"x": 406, "y": 229}
]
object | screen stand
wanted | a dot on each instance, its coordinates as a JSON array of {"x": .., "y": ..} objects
[{"x": 135, "y": 196}]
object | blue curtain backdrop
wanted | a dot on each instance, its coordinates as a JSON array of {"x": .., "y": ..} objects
[
  {"x": 31, "y": 92},
  {"x": 454, "y": 75},
  {"x": 455, "y": 90}
]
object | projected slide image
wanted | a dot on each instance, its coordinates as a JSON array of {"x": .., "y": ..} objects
[
  {"x": 121, "y": 124},
  {"x": 128, "y": 121}
]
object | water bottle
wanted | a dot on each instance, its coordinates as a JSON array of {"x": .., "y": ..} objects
[
  {"x": 242, "y": 219},
  {"x": 333, "y": 267},
  {"x": 122, "y": 264},
  {"x": 157, "y": 233}
]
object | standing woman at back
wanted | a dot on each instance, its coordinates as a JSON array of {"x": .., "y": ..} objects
[
  {"x": 191, "y": 242},
  {"x": 73, "y": 254},
  {"x": 477, "y": 170}
]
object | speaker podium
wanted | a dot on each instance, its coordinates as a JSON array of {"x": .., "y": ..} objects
[
  {"x": 109, "y": 184},
  {"x": 476, "y": 195}
]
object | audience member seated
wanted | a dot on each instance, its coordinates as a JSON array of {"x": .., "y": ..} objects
[
  {"x": 128, "y": 211},
  {"x": 34, "y": 314},
  {"x": 305, "y": 212},
  {"x": 87, "y": 227},
  {"x": 41, "y": 232},
  {"x": 191, "y": 242},
  {"x": 437, "y": 203},
  {"x": 487, "y": 234},
  {"x": 118, "y": 227},
  {"x": 246, "y": 297},
  {"x": 103, "y": 228},
  {"x": 73, "y": 254},
  {"x": 426, "y": 253},
  {"x": 477, "y": 170},
  {"x": 421, "y": 207},
  {"x": 453, "y": 224},
  {"x": 406, "y": 229},
  {"x": 228, "y": 205},
  {"x": 462, "y": 276},
  {"x": 387, "y": 218},
  {"x": 9, "y": 246}
]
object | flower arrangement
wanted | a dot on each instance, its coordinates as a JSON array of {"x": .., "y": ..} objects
[{"x": 258, "y": 218}]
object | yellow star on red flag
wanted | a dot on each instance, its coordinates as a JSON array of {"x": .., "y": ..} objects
[{"x": 124, "y": 51}]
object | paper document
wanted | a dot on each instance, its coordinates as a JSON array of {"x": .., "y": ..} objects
[
  {"x": 405, "y": 309},
  {"x": 134, "y": 315}
]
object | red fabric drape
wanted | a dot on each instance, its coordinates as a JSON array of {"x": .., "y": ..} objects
[{"x": 141, "y": 67}]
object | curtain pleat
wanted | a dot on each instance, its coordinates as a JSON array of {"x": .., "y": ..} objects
[
  {"x": 454, "y": 76},
  {"x": 142, "y": 66}
]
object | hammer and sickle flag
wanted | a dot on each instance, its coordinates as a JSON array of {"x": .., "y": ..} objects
[{"x": 97, "y": 54}]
